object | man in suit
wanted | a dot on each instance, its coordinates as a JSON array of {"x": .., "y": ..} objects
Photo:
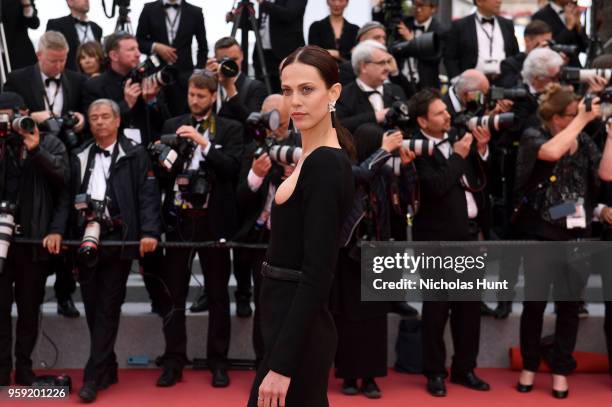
[
  {"x": 214, "y": 155},
  {"x": 423, "y": 72},
  {"x": 481, "y": 41},
  {"x": 18, "y": 16},
  {"x": 467, "y": 94},
  {"x": 563, "y": 16},
  {"x": 167, "y": 28},
  {"x": 281, "y": 28},
  {"x": 76, "y": 28},
  {"x": 143, "y": 107},
  {"x": 453, "y": 208},
  {"x": 367, "y": 98}
]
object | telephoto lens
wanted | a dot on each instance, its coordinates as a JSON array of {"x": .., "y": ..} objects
[
  {"x": 494, "y": 122},
  {"x": 419, "y": 147},
  {"x": 229, "y": 68},
  {"x": 285, "y": 154},
  {"x": 7, "y": 226},
  {"x": 24, "y": 123},
  {"x": 577, "y": 75},
  {"x": 87, "y": 254}
]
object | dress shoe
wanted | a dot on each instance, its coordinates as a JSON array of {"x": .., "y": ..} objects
[
  {"x": 220, "y": 378},
  {"x": 404, "y": 309},
  {"x": 471, "y": 381},
  {"x": 155, "y": 309},
  {"x": 88, "y": 392},
  {"x": 436, "y": 386},
  {"x": 485, "y": 310},
  {"x": 583, "y": 311},
  {"x": 68, "y": 309},
  {"x": 560, "y": 394},
  {"x": 169, "y": 377},
  {"x": 5, "y": 379},
  {"x": 24, "y": 376},
  {"x": 349, "y": 387},
  {"x": 503, "y": 310},
  {"x": 243, "y": 305},
  {"x": 110, "y": 377},
  {"x": 524, "y": 388},
  {"x": 370, "y": 389},
  {"x": 201, "y": 303}
]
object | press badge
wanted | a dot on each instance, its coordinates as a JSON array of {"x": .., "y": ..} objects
[
  {"x": 133, "y": 134},
  {"x": 491, "y": 67},
  {"x": 578, "y": 218}
]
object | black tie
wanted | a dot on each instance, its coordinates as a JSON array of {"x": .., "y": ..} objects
[
  {"x": 488, "y": 21},
  {"x": 99, "y": 150},
  {"x": 561, "y": 11},
  {"x": 168, "y": 5},
  {"x": 419, "y": 28},
  {"x": 371, "y": 92},
  {"x": 83, "y": 23},
  {"x": 49, "y": 80}
]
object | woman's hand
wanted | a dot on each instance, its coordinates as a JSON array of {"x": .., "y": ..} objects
[{"x": 273, "y": 390}]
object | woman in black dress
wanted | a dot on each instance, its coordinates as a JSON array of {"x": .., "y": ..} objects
[
  {"x": 307, "y": 215},
  {"x": 334, "y": 33}
]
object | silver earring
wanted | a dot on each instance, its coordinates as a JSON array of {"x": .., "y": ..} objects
[{"x": 331, "y": 106}]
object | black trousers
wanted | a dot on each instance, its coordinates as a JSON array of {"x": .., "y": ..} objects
[
  {"x": 608, "y": 332},
  {"x": 65, "y": 284},
  {"x": 103, "y": 289},
  {"x": 272, "y": 64},
  {"x": 22, "y": 281},
  {"x": 175, "y": 275},
  {"x": 242, "y": 273}
]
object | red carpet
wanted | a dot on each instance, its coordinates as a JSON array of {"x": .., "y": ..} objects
[{"x": 137, "y": 388}]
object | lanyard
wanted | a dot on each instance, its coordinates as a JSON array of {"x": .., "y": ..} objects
[
  {"x": 91, "y": 162},
  {"x": 489, "y": 36},
  {"x": 46, "y": 97},
  {"x": 171, "y": 24},
  {"x": 83, "y": 39}
]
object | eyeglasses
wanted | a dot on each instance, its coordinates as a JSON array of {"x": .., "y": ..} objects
[{"x": 381, "y": 63}]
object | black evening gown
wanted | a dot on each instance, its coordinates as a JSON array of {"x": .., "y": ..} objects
[{"x": 297, "y": 327}]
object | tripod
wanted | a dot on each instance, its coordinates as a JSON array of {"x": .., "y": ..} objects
[
  {"x": 5, "y": 60},
  {"x": 123, "y": 20},
  {"x": 246, "y": 21}
]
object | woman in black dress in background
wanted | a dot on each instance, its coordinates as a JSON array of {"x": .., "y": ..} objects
[
  {"x": 307, "y": 215},
  {"x": 334, "y": 33}
]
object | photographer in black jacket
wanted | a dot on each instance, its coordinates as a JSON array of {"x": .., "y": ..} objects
[
  {"x": 33, "y": 178},
  {"x": 200, "y": 205},
  {"x": 119, "y": 199}
]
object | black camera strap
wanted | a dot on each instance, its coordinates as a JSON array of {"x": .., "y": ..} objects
[
  {"x": 91, "y": 162},
  {"x": 173, "y": 25},
  {"x": 51, "y": 104}
]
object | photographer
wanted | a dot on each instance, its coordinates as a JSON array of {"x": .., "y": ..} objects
[
  {"x": 200, "y": 205},
  {"x": 113, "y": 181},
  {"x": 259, "y": 178},
  {"x": 367, "y": 98},
  {"x": 238, "y": 95},
  {"x": 142, "y": 105},
  {"x": 453, "y": 207},
  {"x": 18, "y": 16},
  {"x": 34, "y": 189}
]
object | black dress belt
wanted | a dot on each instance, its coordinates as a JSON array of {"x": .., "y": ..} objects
[{"x": 279, "y": 273}]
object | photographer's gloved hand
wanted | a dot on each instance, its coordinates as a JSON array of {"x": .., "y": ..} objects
[
  {"x": 597, "y": 84},
  {"x": 191, "y": 133},
  {"x": 150, "y": 89},
  {"x": 30, "y": 140},
  {"x": 147, "y": 245},
  {"x": 482, "y": 136},
  {"x": 405, "y": 32},
  {"x": 53, "y": 243},
  {"x": 166, "y": 52},
  {"x": 462, "y": 147},
  {"x": 131, "y": 93},
  {"x": 392, "y": 141},
  {"x": 261, "y": 165},
  {"x": 380, "y": 115}
]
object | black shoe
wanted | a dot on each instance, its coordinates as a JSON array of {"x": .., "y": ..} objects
[
  {"x": 110, "y": 377},
  {"x": 349, "y": 387},
  {"x": 220, "y": 378},
  {"x": 67, "y": 309},
  {"x": 471, "y": 381},
  {"x": 503, "y": 310},
  {"x": 5, "y": 379},
  {"x": 243, "y": 305},
  {"x": 583, "y": 311},
  {"x": 88, "y": 392},
  {"x": 436, "y": 386},
  {"x": 524, "y": 388},
  {"x": 560, "y": 394},
  {"x": 24, "y": 376},
  {"x": 155, "y": 309},
  {"x": 370, "y": 389},
  {"x": 404, "y": 309},
  {"x": 201, "y": 303},
  {"x": 169, "y": 377},
  {"x": 485, "y": 310}
]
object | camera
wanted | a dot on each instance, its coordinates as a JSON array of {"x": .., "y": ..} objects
[
  {"x": 285, "y": 154},
  {"x": 169, "y": 148},
  {"x": 496, "y": 94},
  {"x": 229, "y": 68},
  {"x": 151, "y": 68},
  {"x": 93, "y": 213},
  {"x": 62, "y": 380},
  {"x": 577, "y": 75},
  {"x": 194, "y": 187},
  {"x": 563, "y": 48},
  {"x": 63, "y": 128},
  {"x": 258, "y": 123},
  {"x": 605, "y": 102},
  {"x": 7, "y": 227},
  {"x": 7, "y": 126},
  {"x": 424, "y": 46},
  {"x": 397, "y": 116},
  {"x": 496, "y": 122}
]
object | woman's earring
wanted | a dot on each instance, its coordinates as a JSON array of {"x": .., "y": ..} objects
[{"x": 331, "y": 106}]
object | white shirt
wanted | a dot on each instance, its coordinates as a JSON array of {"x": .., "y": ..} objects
[
  {"x": 55, "y": 95},
  {"x": 172, "y": 18},
  {"x": 264, "y": 29},
  {"x": 376, "y": 99},
  {"x": 490, "y": 43},
  {"x": 100, "y": 174},
  {"x": 199, "y": 154},
  {"x": 84, "y": 32},
  {"x": 455, "y": 99},
  {"x": 410, "y": 68},
  {"x": 559, "y": 10},
  {"x": 254, "y": 181}
]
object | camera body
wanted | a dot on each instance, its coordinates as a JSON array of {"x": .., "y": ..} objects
[
  {"x": 605, "y": 102},
  {"x": 63, "y": 128},
  {"x": 258, "y": 124},
  {"x": 92, "y": 212},
  {"x": 194, "y": 187},
  {"x": 170, "y": 148},
  {"x": 568, "y": 50},
  {"x": 152, "y": 68},
  {"x": 496, "y": 94}
]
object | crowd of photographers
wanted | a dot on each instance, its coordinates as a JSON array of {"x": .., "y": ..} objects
[{"x": 116, "y": 149}]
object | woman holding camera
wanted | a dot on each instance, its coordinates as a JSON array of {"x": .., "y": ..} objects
[
  {"x": 307, "y": 215},
  {"x": 556, "y": 184}
]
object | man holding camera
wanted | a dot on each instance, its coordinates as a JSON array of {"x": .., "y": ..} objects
[
  {"x": 199, "y": 206},
  {"x": 77, "y": 29},
  {"x": 117, "y": 198},
  {"x": 142, "y": 105},
  {"x": 34, "y": 195},
  {"x": 454, "y": 207},
  {"x": 367, "y": 99},
  {"x": 238, "y": 95}
]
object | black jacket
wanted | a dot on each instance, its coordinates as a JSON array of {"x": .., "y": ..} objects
[
  {"x": 442, "y": 213},
  {"x": 561, "y": 34},
  {"x": 152, "y": 28},
  {"x": 28, "y": 83},
  {"x": 286, "y": 24},
  {"x": 134, "y": 191},
  {"x": 66, "y": 26},
  {"x": 224, "y": 158},
  {"x": 461, "y": 44},
  {"x": 110, "y": 85},
  {"x": 322, "y": 34},
  {"x": 347, "y": 75},
  {"x": 354, "y": 108},
  {"x": 43, "y": 198},
  {"x": 250, "y": 97},
  {"x": 428, "y": 68},
  {"x": 511, "y": 68},
  {"x": 21, "y": 50}
]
